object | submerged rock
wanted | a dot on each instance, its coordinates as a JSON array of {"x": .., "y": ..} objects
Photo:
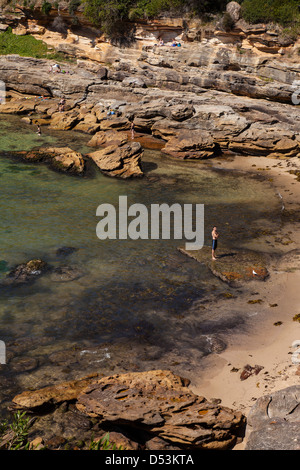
[
  {"x": 65, "y": 251},
  {"x": 232, "y": 267},
  {"x": 65, "y": 274},
  {"x": 25, "y": 273},
  {"x": 62, "y": 159}
]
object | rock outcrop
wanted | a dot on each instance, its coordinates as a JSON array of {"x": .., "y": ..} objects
[
  {"x": 154, "y": 409},
  {"x": 63, "y": 159},
  {"x": 122, "y": 161}
]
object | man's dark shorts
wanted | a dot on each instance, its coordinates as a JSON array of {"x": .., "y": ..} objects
[{"x": 214, "y": 244}]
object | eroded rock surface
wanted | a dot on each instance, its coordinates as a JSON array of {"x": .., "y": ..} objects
[
  {"x": 122, "y": 161},
  {"x": 63, "y": 159},
  {"x": 153, "y": 409}
]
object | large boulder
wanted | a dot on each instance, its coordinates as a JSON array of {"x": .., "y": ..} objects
[
  {"x": 160, "y": 403},
  {"x": 234, "y": 10},
  {"x": 120, "y": 161},
  {"x": 274, "y": 421},
  {"x": 64, "y": 121},
  {"x": 107, "y": 138},
  {"x": 197, "y": 144}
]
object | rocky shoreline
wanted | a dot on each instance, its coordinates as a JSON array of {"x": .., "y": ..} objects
[{"x": 200, "y": 101}]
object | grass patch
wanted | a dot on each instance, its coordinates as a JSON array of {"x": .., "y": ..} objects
[{"x": 28, "y": 46}]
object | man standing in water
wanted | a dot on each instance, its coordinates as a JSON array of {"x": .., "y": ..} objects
[{"x": 215, "y": 236}]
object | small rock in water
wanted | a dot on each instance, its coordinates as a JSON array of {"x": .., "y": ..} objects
[
  {"x": 25, "y": 273},
  {"x": 65, "y": 274},
  {"x": 65, "y": 251}
]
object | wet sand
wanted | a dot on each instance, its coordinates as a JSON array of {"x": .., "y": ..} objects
[{"x": 269, "y": 344}]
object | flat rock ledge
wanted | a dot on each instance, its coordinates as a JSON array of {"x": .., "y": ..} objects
[
  {"x": 234, "y": 267},
  {"x": 146, "y": 410}
]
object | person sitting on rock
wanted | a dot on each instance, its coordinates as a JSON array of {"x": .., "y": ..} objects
[{"x": 56, "y": 68}]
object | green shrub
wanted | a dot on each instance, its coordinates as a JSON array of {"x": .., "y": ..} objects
[
  {"x": 227, "y": 22},
  {"x": 73, "y": 6},
  {"x": 46, "y": 7},
  {"x": 283, "y": 12},
  {"x": 27, "y": 46},
  {"x": 109, "y": 13}
]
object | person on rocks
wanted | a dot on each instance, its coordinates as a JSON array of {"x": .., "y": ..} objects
[
  {"x": 61, "y": 105},
  {"x": 132, "y": 130},
  {"x": 55, "y": 68},
  {"x": 215, "y": 236}
]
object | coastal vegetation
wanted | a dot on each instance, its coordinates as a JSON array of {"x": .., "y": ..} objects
[
  {"x": 15, "y": 436},
  {"x": 27, "y": 46}
]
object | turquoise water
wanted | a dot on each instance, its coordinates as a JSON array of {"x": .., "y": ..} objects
[{"x": 133, "y": 296}]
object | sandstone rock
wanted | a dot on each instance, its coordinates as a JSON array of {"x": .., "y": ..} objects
[
  {"x": 266, "y": 139},
  {"x": 107, "y": 138},
  {"x": 115, "y": 123},
  {"x": 120, "y": 161},
  {"x": 273, "y": 422},
  {"x": 52, "y": 395},
  {"x": 191, "y": 144},
  {"x": 61, "y": 159},
  {"x": 134, "y": 82},
  {"x": 63, "y": 121},
  {"x": 88, "y": 124},
  {"x": 20, "y": 30},
  {"x": 159, "y": 403},
  {"x": 181, "y": 113},
  {"x": 20, "y": 106},
  {"x": 97, "y": 69}
]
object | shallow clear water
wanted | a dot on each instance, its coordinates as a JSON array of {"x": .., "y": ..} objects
[{"x": 140, "y": 295}]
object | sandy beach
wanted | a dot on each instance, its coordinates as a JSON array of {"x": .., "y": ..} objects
[{"x": 270, "y": 342}]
